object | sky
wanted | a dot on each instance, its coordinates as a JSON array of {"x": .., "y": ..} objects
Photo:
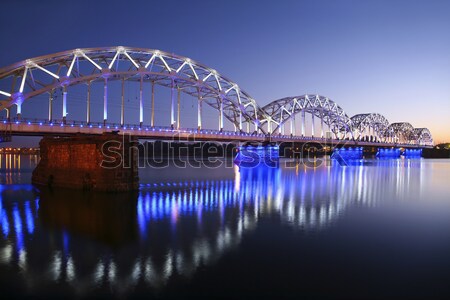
[{"x": 389, "y": 57}]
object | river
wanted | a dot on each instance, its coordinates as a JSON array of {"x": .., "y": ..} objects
[{"x": 371, "y": 229}]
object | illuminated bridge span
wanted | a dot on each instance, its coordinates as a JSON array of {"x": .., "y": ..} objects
[{"x": 239, "y": 116}]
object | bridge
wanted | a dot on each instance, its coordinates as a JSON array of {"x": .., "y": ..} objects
[
  {"x": 239, "y": 116},
  {"x": 57, "y": 81}
]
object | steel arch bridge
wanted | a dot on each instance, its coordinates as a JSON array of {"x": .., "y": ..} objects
[
  {"x": 282, "y": 111},
  {"x": 369, "y": 125},
  {"x": 423, "y": 136},
  {"x": 400, "y": 132},
  {"x": 61, "y": 71}
]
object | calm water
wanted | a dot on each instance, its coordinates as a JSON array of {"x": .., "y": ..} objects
[{"x": 378, "y": 229}]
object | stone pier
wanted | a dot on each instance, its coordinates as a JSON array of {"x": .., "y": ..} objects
[{"x": 85, "y": 162}]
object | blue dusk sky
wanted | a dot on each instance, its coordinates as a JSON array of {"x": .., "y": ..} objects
[{"x": 386, "y": 56}]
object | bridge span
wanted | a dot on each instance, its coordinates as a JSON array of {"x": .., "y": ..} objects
[
  {"x": 89, "y": 73},
  {"x": 116, "y": 87}
]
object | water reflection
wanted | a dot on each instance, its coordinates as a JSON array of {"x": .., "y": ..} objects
[
  {"x": 172, "y": 228},
  {"x": 14, "y": 166}
]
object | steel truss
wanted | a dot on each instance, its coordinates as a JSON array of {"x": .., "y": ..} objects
[
  {"x": 61, "y": 70},
  {"x": 369, "y": 125},
  {"x": 402, "y": 132},
  {"x": 46, "y": 74},
  {"x": 423, "y": 136},
  {"x": 279, "y": 112}
]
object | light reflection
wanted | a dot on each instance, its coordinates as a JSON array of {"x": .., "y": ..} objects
[{"x": 306, "y": 200}]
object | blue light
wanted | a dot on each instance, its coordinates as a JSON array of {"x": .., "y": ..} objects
[
  {"x": 5, "y": 223},
  {"x": 29, "y": 218},
  {"x": 141, "y": 216},
  {"x": 18, "y": 228}
]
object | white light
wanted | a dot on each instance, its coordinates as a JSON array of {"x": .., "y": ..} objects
[
  {"x": 150, "y": 60},
  {"x": 92, "y": 62},
  {"x": 193, "y": 71},
  {"x": 46, "y": 71},
  {"x": 181, "y": 67},
  {"x": 129, "y": 57},
  {"x": 22, "y": 85},
  {"x": 218, "y": 83},
  {"x": 165, "y": 63},
  {"x": 71, "y": 65},
  {"x": 204, "y": 79},
  {"x": 114, "y": 59},
  {"x": 5, "y": 94}
]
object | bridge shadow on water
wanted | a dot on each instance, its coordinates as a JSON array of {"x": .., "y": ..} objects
[{"x": 106, "y": 217}]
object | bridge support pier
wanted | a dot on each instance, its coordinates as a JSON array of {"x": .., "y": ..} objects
[{"x": 105, "y": 162}]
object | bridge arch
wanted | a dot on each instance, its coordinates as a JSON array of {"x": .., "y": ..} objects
[
  {"x": 32, "y": 77},
  {"x": 282, "y": 111},
  {"x": 423, "y": 136},
  {"x": 369, "y": 126},
  {"x": 401, "y": 132}
]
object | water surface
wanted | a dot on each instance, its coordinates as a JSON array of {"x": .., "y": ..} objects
[{"x": 374, "y": 229}]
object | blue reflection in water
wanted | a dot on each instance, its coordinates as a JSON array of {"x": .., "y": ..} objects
[
  {"x": 305, "y": 198},
  {"x": 5, "y": 223},
  {"x": 29, "y": 217},
  {"x": 18, "y": 228}
]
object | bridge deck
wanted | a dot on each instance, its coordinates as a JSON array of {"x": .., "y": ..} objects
[{"x": 43, "y": 128}]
